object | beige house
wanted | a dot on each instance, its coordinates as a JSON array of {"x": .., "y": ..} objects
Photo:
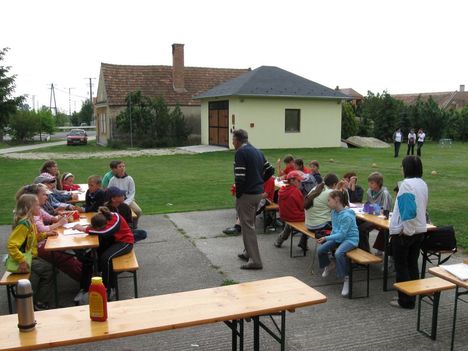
[
  {"x": 177, "y": 84},
  {"x": 277, "y": 108}
]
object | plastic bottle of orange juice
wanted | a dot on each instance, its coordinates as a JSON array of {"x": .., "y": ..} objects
[{"x": 97, "y": 296}]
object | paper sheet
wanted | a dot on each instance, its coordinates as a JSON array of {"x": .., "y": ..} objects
[
  {"x": 459, "y": 270},
  {"x": 72, "y": 232}
]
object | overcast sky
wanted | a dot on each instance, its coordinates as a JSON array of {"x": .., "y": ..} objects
[{"x": 402, "y": 46}]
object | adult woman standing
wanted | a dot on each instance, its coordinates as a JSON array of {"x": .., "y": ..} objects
[
  {"x": 408, "y": 225},
  {"x": 411, "y": 142},
  {"x": 421, "y": 137},
  {"x": 397, "y": 138}
]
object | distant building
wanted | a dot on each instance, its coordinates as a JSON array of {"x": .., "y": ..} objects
[
  {"x": 177, "y": 84},
  {"x": 277, "y": 108},
  {"x": 356, "y": 97},
  {"x": 446, "y": 100}
]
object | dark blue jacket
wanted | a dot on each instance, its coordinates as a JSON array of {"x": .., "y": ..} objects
[{"x": 250, "y": 170}]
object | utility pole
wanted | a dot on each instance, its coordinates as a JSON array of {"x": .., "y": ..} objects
[
  {"x": 91, "y": 94},
  {"x": 52, "y": 95},
  {"x": 69, "y": 101},
  {"x": 34, "y": 102}
]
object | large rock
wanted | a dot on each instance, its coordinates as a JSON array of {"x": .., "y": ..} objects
[{"x": 358, "y": 141}]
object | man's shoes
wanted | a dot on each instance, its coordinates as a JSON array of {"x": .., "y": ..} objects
[
  {"x": 236, "y": 230},
  {"x": 243, "y": 257},
  {"x": 251, "y": 265},
  {"x": 395, "y": 303},
  {"x": 277, "y": 244}
]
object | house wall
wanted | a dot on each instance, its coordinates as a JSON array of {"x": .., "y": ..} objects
[{"x": 320, "y": 122}]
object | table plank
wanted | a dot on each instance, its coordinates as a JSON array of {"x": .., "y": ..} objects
[
  {"x": 382, "y": 222},
  {"x": 71, "y": 242},
  {"x": 442, "y": 273},
  {"x": 72, "y": 325}
]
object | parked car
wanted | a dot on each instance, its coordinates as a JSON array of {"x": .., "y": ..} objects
[{"x": 77, "y": 137}]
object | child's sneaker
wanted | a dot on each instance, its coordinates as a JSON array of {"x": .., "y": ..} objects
[
  {"x": 328, "y": 269},
  {"x": 345, "y": 290}
]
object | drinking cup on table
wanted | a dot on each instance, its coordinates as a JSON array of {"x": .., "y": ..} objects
[{"x": 386, "y": 213}]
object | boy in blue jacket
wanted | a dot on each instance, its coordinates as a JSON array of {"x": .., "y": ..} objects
[{"x": 344, "y": 237}]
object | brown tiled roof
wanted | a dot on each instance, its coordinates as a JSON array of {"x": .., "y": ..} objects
[
  {"x": 447, "y": 99},
  {"x": 155, "y": 81},
  {"x": 351, "y": 92}
]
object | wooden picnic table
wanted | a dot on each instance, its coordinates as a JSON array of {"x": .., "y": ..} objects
[
  {"x": 460, "y": 284},
  {"x": 62, "y": 242},
  {"x": 382, "y": 223},
  {"x": 229, "y": 304}
]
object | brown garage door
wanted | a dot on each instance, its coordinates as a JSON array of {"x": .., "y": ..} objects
[{"x": 218, "y": 123}]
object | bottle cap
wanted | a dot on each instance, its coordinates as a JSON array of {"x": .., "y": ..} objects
[{"x": 96, "y": 280}]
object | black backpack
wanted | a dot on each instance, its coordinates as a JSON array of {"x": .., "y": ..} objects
[{"x": 441, "y": 239}]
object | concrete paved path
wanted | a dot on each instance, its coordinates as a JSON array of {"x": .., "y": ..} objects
[
  {"x": 10, "y": 150},
  {"x": 186, "y": 251}
]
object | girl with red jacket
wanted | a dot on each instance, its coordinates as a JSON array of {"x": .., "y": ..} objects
[
  {"x": 291, "y": 204},
  {"x": 115, "y": 239}
]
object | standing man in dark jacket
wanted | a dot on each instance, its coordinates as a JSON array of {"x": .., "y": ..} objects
[{"x": 250, "y": 171}]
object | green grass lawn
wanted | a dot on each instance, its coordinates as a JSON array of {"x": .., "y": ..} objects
[{"x": 202, "y": 182}]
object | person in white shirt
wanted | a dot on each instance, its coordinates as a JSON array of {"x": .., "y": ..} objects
[
  {"x": 421, "y": 137},
  {"x": 408, "y": 225},
  {"x": 397, "y": 139},
  {"x": 411, "y": 142}
]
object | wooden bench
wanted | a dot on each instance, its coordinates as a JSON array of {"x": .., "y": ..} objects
[
  {"x": 362, "y": 258},
  {"x": 299, "y": 227},
  {"x": 126, "y": 263},
  {"x": 270, "y": 208},
  {"x": 231, "y": 304},
  {"x": 10, "y": 280},
  {"x": 430, "y": 288}
]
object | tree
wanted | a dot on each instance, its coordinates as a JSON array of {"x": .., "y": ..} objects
[
  {"x": 151, "y": 122},
  {"x": 75, "y": 119},
  {"x": 8, "y": 103},
  {"x": 180, "y": 130},
  {"x": 86, "y": 113},
  {"x": 25, "y": 124},
  {"x": 348, "y": 120},
  {"x": 433, "y": 120}
]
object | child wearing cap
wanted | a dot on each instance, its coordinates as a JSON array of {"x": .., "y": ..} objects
[
  {"x": 67, "y": 182},
  {"x": 95, "y": 196},
  {"x": 291, "y": 204},
  {"x": 116, "y": 203}
]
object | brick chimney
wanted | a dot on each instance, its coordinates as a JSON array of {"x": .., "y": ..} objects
[
  {"x": 178, "y": 80},
  {"x": 462, "y": 87}
]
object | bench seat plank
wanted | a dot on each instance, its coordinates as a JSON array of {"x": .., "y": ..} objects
[
  {"x": 125, "y": 263},
  {"x": 360, "y": 256},
  {"x": 158, "y": 313},
  {"x": 300, "y": 227},
  {"x": 425, "y": 286}
]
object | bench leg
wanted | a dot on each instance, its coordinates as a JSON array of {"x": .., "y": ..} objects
[
  {"x": 368, "y": 278},
  {"x": 256, "y": 341},
  {"x": 350, "y": 295},
  {"x": 116, "y": 280},
  {"x": 435, "y": 313},
  {"x": 9, "y": 293},
  {"x": 135, "y": 284}
]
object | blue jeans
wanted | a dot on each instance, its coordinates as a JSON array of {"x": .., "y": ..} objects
[{"x": 340, "y": 256}]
